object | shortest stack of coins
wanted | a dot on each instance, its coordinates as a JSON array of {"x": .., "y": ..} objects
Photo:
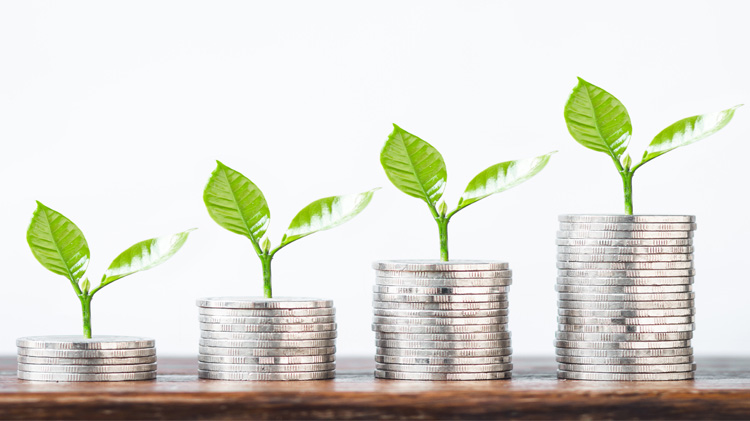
[
  {"x": 625, "y": 309},
  {"x": 75, "y": 359},
  {"x": 253, "y": 338},
  {"x": 438, "y": 320}
]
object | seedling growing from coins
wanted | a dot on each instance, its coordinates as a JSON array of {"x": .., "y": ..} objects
[
  {"x": 238, "y": 205},
  {"x": 416, "y": 168},
  {"x": 599, "y": 121},
  {"x": 59, "y": 245}
]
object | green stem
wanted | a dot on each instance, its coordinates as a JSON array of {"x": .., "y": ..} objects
[
  {"x": 442, "y": 222},
  {"x": 627, "y": 185},
  {"x": 266, "y": 261},
  {"x": 86, "y": 308}
]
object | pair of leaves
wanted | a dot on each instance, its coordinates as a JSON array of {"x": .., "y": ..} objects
[
  {"x": 59, "y": 245},
  {"x": 238, "y": 205},
  {"x": 416, "y": 168},
  {"x": 599, "y": 121}
]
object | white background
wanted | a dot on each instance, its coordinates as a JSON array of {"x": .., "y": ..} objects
[{"x": 114, "y": 112}]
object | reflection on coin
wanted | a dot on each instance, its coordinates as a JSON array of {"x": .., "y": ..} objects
[
  {"x": 603, "y": 368},
  {"x": 388, "y": 289},
  {"x": 626, "y": 328},
  {"x": 638, "y": 219},
  {"x": 616, "y": 250},
  {"x": 389, "y": 359},
  {"x": 439, "y": 265},
  {"x": 439, "y": 329},
  {"x": 439, "y": 313},
  {"x": 72, "y": 377},
  {"x": 415, "y": 298},
  {"x": 385, "y": 343},
  {"x": 446, "y": 353},
  {"x": 303, "y": 359},
  {"x": 267, "y": 344},
  {"x": 590, "y": 344},
  {"x": 448, "y": 283},
  {"x": 638, "y": 321},
  {"x": 79, "y": 353},
  {"x": 266, "y": 352},
  {"x": 85, "y": 361},
  {"x": 267, "y": 320},
  {"x": 603, "y": 298},
  {"x": 570, "y": 375},
  {"x": 676, "y": 312},
  {"x": 266, "y": 368},
  {"x": 625, "y": 353},
  {"x": 74, "y": 342},
  {"x": 625, "y": 235},
  {"x": 302, "y": 312},
  {"x": 395, "y": 375},
  {"x": 682, "y": 359},
  {"x": 621, "y": 258},
  {"x": 443, "y": 336},
  {"x": 627, "y": 305},
  {"x": 440, "y": 321},
  {"x": 626, "y": 226},
  {"x": 86, "y": 369},
  {"x": 244, "y": 376},
  {"x": 263, "y": 303},
  {"x": 624, "y": 289},
  {"x": 441, "y": 306},
  {"x": 424, "y": 368},
  {"x": 273, "y": 336},
  {"x": 594, "y": 281}
]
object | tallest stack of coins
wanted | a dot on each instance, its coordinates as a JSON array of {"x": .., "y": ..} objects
[
  {"x": 442, "y": 320},
  {"x": 625, "y": 309}
]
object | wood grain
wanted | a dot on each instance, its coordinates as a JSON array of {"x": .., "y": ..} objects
[{"x": 721, "y": 391}]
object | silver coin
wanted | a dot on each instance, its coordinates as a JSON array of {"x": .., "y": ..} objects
[
  {"x": 226, "y": 343},
  {"x": 439, "y": 329},
  {"x": 625, "y": 235},
  {"x": 677, "y": 296},
  {"x": 622, "y": 242},
  {"x": 626, "y": 226},
  {"x": 244, "y": 376},
  {"x": 622, "y": 321},
  {"x": 386, "y": 343},
  {"x": 389, "y": 289},
  {"x": 624, "y": 289},
  {"x": 302, "y": 312},
  {"x": 439, "y": 266},
  {"x": 394, "y": 375},
  {"x": 303, "y": 359},
  {"x": 266, "y": 336},
  {"x": 638, "y": 219},
  {"x": 75, "y": 342},
  {"x": 444, "y": 283},
  {"x": 489, "y": 336},
  {"x": 625, "y": 353},
  {"x": 289, "y": 328},
  {"x": 439, "y": 321},
  {"x": 623, "y": 337},
  {"x": 626, "y": 328},
  {"x": 414, "y": 298},
  {"x": 85, "y": 369},
  {"x": 676, "y": 312},
  {"x": 389, "y": 359},
  {"x": 670, "y": 273},
  {"x": 263, "y": 303},
  {"x": 591, "y": 344},
  {"x": 266, "y": 352},
  {"x": 81, "y": 353},
  {"x": 85, "y": 361},
  {"x": 73, "y": 377},
  {"x": 625, "y": 281},
  {"x": 439, "y": 313},
  {"x": 446, "y": 353},
  {"x": 424, "y": 368},
  {"x": 267, "y": 320},
  {"x": 492, "y": 305},
  {"x": 621, "y": 258},
  {"x": 625, "y": 265},
  {"x": 604, "y": 250},
  {"x": 682, "y": 359},
  {"x": 624, "y": 305},
  {"x": 266, "y": 368},
  {"x": 604, "y": 368},
  {"x": 614, "y": 377},
  {"x": 497, "y": 275}
]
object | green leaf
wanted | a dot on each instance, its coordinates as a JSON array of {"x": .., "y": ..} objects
[
  {"x": 687, "y": 131},
  {"x": 325, "y": 214},
  {"x": 144, "y": 255},
  {"x": 501, "y": 177},
  {"x": 57, "y": 243},
  {"x": 236, "y": 204},
  {"x": 414, "y": 166},
  {"x": 598, "y": 120}
]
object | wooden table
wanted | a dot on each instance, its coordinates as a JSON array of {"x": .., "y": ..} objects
[{"x": 721, "y": 391}]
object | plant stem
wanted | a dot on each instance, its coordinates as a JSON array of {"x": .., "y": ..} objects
[
  {"x": 442, "y": 222},
  {"x": 627, "y": 185},
  {"x": 266, "y": 261},
  {"x": 86, "y": 308}
]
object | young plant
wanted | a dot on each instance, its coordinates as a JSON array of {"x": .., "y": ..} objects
[
  {"x": 59, "y": 245},
  {"x": 238, "y": 205},
  {"x": 599, "y": 121},
  {"x": 417, "y": 169}
]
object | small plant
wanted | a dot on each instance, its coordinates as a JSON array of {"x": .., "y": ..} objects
[
  {"x": 238, "y": 205},
  {"x": 59, "y": 245},
  {"x": 599, "y": 121},
  {"x": 417, "y": 169}
]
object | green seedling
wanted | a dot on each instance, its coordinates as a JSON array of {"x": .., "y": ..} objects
[
  {"x": 417, "y": 169},
  {"x": 238, "y": 205},
  {"x": 59, "y": 245},
  {"x": 599, "y": 121}
]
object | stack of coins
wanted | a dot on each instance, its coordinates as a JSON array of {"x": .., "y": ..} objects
[
  {"x": 442, "y": 320},
  {"x": 625, "y": 309},
  {"x": 75, "y": 359},
  {"x": 253, "y": 338}
]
